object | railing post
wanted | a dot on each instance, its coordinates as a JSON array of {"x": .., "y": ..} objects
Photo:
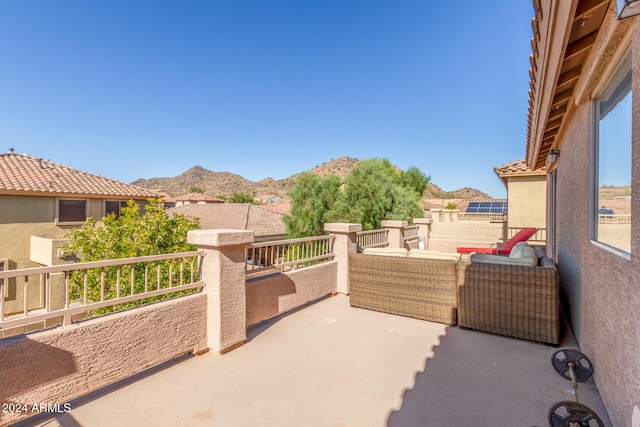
[
  {"x": 396, "y": 232},
  {"x": 435, "y": 215},
  {"x": 223, "y": 272},
  {"x": 424, "y": 231},
  {"x": 345, "y": 243}
]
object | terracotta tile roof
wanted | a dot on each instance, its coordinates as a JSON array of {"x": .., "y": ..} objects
[
  {"x": 20, "y": 173},
  {"x": 265, "y": 222},
  {"x": 517, "y": 166},
  {"x": 283, "y": 208},
  {"x": 239, "y": 216},
  {"x": 197, "y": 197}
]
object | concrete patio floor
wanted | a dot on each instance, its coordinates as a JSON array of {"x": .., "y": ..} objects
[{"x": 328, "y": 364}]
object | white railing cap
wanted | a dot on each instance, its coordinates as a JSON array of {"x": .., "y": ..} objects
[
  {"x": 391, "y": 223},
  {"x": 339, "y": 227},
  {"x": 219, "y": 238},
  {"x": 422, "y": 220}
]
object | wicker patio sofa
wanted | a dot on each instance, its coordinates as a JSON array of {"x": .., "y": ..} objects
[
  {"x": 514, "y": 300},
  {"x": 408, "y": 286}
]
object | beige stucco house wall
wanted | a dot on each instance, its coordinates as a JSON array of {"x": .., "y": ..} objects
[
  {"x": 31, "y": 228},
  {"x": 526, "y": 194},
  {"x": 577, "y": 47}
]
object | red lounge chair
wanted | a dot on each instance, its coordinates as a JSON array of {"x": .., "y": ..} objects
[{"x": 521, "y": 236}]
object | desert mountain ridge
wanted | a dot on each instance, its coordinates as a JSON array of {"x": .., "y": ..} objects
[{"x": 225, "y": 183}]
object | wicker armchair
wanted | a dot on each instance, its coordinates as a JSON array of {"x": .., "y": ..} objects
[
  {"x": 517, "y": 301},
  {"x": 415, "y": 287}
]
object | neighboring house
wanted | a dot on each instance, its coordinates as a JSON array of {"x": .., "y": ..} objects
[
  {"x": 283, "y": 208},
  {"x": 271, "y": 200},
  {"x": 167, "y": 197},
  {"x": 266, "y": 224},
  {"x": 196, "y": 199},
  {"x": 41, "y": 202},
  {"x": 583, "y": 126},
  {"x": 526, "y": 194}
]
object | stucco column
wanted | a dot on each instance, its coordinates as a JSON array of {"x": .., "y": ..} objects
[
  {"x": 223, "y": 271},
  {"x": 396, "y": 232},
  {"x": 424, "y": 231},
  {"x": 345, "y": 243}
]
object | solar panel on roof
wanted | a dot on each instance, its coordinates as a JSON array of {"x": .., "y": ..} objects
[{"x": 494, "y": 207}]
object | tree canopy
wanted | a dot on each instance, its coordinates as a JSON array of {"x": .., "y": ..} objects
[
  {"x": 125, "y": 236},
  {"x": 132, "y": 234},
  {"x": 373, "y": 191},
  {"x": 312, "y": 203}
]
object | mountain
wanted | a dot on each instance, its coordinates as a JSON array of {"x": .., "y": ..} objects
[
  {"x": 213, "y": 183},
  {"x": 466, "y": 193},
  {"x": 225, "y": 183}
]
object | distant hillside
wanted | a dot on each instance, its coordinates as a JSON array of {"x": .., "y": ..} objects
[
  {"x": 435, "y": 192},
  {"x": 213, "y": 183},
  {"x": 225, "y": 183}
]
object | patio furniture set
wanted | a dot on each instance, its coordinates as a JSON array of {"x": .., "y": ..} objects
[{"x": 514, "y": 295}]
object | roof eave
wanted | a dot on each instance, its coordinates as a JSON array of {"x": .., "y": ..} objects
[{"x": 551, "y": 35}]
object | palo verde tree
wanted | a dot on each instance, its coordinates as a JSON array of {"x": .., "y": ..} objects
[
  {"x": 312, "y": 202},
  {"x": 242, "y": 197},
  {"x": 128, "y": 235},
  {"x": 374, "y": 190}
]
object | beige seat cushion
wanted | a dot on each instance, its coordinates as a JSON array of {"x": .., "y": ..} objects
[
  {"x": 423, "y": 253},
  {"x": 401, "y": 252}
]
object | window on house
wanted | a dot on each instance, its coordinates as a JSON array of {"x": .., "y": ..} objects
[
  {"x": 114, "y": 207},
  {"x": 611, "y": 199},
  {"x": 72, "y": 210}
]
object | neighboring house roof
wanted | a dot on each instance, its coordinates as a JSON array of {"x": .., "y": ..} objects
[
  {"x": 517, "y": 168},
  {"x": 197, "y": 197},
  {"x": 283, "y": 208},
  {"x": 238, "y": 216},
  {"x": 166, "y": 196},
  {"x": 24, "y": 174}
]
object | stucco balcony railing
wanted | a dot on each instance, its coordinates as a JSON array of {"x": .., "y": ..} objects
[
  {"x": 373, "y": 239},
  {"x": 288, "y": 254},
  {"x": 84, "y": 288}
]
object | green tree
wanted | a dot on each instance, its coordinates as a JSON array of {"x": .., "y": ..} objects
[
  {"x": 125, "y": 236},
  {"x": 375, "y": 190},
  {"x": 195, "y": 188},
  {"x": 312, "y": 202},
  {"x": 368, "y": 194},
  {"x": 242, "y": 197},
  {"x": 415, "y": 180}
]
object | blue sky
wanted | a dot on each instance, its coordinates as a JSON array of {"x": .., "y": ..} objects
[{"x": 142, "y": 89}]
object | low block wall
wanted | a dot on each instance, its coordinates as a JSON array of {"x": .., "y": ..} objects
[
  {"x": 271, "y": 295},
  {"x": 55, "y": 366}
]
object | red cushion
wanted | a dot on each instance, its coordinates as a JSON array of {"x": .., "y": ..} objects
[
  {"x": 521, "y": 236},
  {"x": 491, "y": 251}
]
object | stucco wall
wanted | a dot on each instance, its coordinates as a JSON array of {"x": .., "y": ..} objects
[
  {"x": 527, "y": 201},
  {"x": 275, "y": 294},
  {"x": 58, "y": 365},
  {"x": 600, "y": 290}
]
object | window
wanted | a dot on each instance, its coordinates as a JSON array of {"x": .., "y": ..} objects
[
  {"x": 72, "y": 210},
  {"x": 611, "y": 162},
  {"x": 114, "y": 207}
]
